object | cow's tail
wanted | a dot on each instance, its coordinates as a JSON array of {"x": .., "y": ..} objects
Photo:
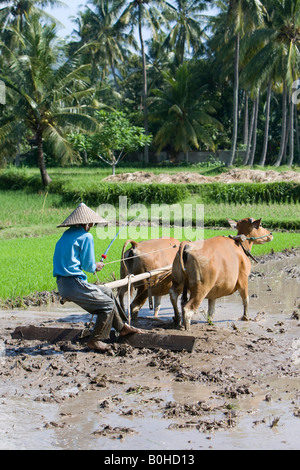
[
  {"x": 182, "y": 255},
  {"x": 134, "y": 245}
]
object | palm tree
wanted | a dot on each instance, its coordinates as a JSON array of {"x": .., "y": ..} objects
[
  {"x": 284, "y": 36},
  {"x": 186, "y": 32},
  {"x": 142, "y": 13},
  {"x": 242, "y": 17},
  {"x": 159, "y": 59},
  {"x": 14, "y": 12},
  {"x": 185, "y": 113},
  {"x": 276, "y": 60},
  {"x": 257, "y": 78},
  {"x": 47, "y": 92},
  {"x": 101, "y": 40}
]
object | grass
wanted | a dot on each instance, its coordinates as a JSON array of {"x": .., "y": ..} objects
[
  {"x": 31, "y": 215},
  {"x": 25, "y": 215},
  {"x": 159, "y": 168}
]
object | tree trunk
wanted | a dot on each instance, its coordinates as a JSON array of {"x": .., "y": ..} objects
[
  {"x": 145, "y": 88},
  {"x": 18, "y": 157},
  {"x": 113, "y": 69},
  {"x": 291, "y": 147},
  {"x": 287, "y": 135},
  {"x": 246, "y": 119},
  {"x": 235, "y": 101},
  {"x": 85, "y": 157},
  {"x": 46, "y": 180},
  {"x": 266, "y": 136},
  {"x": 254, "y": 139},
  {"x": 297, "y": 134},
  {"x": 283, "y": 126},
  {"x": 246, "y": 159}
]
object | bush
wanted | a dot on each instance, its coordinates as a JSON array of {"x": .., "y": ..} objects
[
  {"x": 247, "y": 193},
  {"x": 14, "y": 179},
  {"x": 235, "y": 193},
  {"x": 272, "y": 224},
  {"x": 109, "y": 193}
]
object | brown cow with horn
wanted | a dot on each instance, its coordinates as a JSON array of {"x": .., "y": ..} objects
[
  {"x": 147, "y": 256},
  {"x": 215, "y": 268}
]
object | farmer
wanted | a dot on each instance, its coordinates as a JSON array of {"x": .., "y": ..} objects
[{"x": 74, "y": 254}]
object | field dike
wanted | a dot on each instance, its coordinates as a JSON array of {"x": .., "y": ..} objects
[
  {"x": 239, "y": 388},
  {"x": 184, "y": 177}
]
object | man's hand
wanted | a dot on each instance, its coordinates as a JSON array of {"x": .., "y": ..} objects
[{"x": 99, "y": 266}]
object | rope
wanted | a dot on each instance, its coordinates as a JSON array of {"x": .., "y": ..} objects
[
  {"x": 247, "y": 252},
  {"x": 144, "y": 254},
  {"x": 172, "y": 247},
  {"x": 153, "y": 282},
  {"x": 128, "y": 298},
  {"x": 257, "y": 238}
]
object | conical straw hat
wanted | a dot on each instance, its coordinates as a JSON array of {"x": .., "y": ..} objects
[{"x": 83, "y": 215}]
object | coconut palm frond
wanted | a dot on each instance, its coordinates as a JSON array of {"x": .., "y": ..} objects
[
  {"x": 77, "y": 120},
  {"x": 61, "y": 146},
  {"x": 6, "y": 129}
]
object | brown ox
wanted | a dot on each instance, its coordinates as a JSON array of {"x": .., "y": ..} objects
[
  {"x": 215, "y": 268},
  {"x": 143, "y": 257}
]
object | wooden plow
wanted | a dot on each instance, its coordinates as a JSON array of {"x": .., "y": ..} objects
[
  {"x": 146, "y": 340},
  {"x": 130, "y": 280}
]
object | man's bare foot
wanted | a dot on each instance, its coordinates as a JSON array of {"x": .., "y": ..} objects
[
  {"x": 98, "y": 345},
  {"x": 128, "y": 330}
]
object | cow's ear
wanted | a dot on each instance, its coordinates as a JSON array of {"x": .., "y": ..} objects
[
  {"x": 232, "y": 223},
  {"x": 256, "y": 223}
]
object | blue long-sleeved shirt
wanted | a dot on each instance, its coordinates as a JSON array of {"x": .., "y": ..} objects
[{"x": 74, "y": 254}]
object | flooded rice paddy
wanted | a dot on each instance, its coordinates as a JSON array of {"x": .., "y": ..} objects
[{"x": 239, "y": 388}]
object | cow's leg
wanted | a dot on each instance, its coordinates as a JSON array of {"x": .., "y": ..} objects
[
  {"x": 174, "y": 292},
  {"x": 242, "y": 287},
  {"x": 245, "y": 299},
  {"x": 139, "y": 300},
  {"x": 246, "y": 306},
  {"x": 157, "y": 303},
  {"x": 211, "y": 308},
  {"x": 184, "y": 297},
  {"x": 198, "y": 294},
  {"x": 187, "y": 313}
]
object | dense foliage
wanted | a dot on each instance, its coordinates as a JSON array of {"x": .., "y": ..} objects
[{"x": 202, "y": 81}]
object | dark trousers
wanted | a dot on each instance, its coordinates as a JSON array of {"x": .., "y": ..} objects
[{"x": 97, "y": 300}]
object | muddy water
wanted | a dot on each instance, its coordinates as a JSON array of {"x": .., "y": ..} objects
[{"x": 51, "y": 397}]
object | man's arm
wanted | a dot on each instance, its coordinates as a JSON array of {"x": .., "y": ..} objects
[{"x": 87, "y": 256}]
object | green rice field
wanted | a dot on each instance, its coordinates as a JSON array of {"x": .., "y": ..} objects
[
  {"x": 28, "y": 234},
  {"x": 30, "y": 215},
  {"x": 26, "y": 263}
]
